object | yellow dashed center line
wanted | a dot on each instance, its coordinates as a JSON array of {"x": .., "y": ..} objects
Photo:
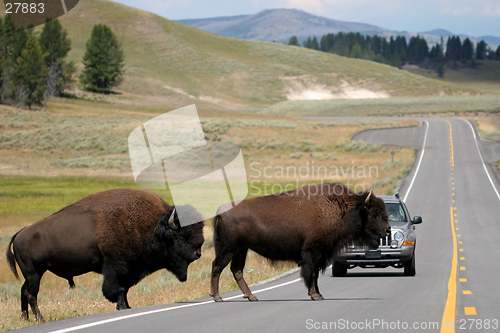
[
  {"x": 451, "y": 301},
  {"x": 470, "y": 311},
  {"x": 451, "y": 145}
]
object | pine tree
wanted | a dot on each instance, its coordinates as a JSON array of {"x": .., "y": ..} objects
[
  {"x": 103, "y": 61},
  {"x": 54, "y": 42},
  {"x": 294, "y": 41},
  {"x": 29, "y": 74},
  {"x": 307, "y": 43},
  {"x": 314, "y": 44},
  {"x": 13, "y": 45},
  {"x": 440, "y": 69},
  {"x": 481, "y": 50},
  {"x": 55, "y": 45},
  {"x": 467, "y": 50},
  {"x": 356, "y": 52}
]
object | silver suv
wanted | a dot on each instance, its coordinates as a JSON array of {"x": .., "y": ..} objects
[{"x": 396, "y": 250}]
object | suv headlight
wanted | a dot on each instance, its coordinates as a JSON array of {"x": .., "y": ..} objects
[{"x": 398, "y": 236}]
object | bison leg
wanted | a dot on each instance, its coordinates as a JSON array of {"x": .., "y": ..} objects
[
  {"x": 316, "y": 296},
  {"x": 237, "y": 265},
  {"x": 220, "y": 262},
  {"x": 71, "y": 283},
  {"x": 31, "y": 294},
  {"x": 30, "y": 288},
  {"x": 122, "y": 303},
  {"x": 310, "y": 273},
  {"x": 24, "y": 301},
  {"x": 113, "y": 290}
]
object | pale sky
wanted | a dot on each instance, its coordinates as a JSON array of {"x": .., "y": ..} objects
[{"x": 471, "y": 17}]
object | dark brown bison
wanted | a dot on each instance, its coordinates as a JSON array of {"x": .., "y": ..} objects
[
  {"x": 305, "y": 225},
  {"x": 124, "y": 234}
]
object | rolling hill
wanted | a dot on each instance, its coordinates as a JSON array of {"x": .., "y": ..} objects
[{"x": 171, "y": 64}]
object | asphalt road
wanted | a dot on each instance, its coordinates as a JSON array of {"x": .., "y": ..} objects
[{"x": 451, "y": 189}]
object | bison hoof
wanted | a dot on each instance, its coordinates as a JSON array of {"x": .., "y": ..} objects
[
  {"x": 318, "y": 298},
  {"x": 24, "y": 316},
  {"x": 252, "y": 298}
]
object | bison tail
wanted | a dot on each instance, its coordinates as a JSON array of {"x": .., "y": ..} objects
[{"x": 10, "y": 256}]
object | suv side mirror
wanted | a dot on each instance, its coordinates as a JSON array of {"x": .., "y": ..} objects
[{"x": 416, "y": 220}]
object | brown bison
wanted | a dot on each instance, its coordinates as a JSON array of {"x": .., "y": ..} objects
[
  {"x": 124, "y": 234},
  {"x": 306, "y": 225}
]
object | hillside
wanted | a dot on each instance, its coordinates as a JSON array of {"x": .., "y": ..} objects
[{"x": 171, "y": 64}]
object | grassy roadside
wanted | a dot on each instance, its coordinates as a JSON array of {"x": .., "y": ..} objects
[
  {"x": 51, "y": 159},
  {"x": 425, "y": 105}
]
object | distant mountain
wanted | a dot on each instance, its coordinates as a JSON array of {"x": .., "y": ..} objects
[
  {"x": 439, "y": 33},
  {"x": 279, "y": 25},
  {"x": 436, "y": 34},
  {"x": 491, "y": 40}
]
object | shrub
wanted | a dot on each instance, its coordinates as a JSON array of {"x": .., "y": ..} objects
[{"x": 296, "y": 155}]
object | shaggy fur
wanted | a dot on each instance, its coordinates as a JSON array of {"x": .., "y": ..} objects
[
  {"x": 120, "y": 233},
  {"x": 306, "y": 225}
]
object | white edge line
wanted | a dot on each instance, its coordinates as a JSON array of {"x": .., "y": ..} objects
[
  {"x": 419, "y": 161},
  {"x": 140, "y": 314},
  {"x": 482, "y": 160}
]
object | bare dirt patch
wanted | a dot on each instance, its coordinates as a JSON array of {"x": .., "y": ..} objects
[{"x": 299, "y": 91}]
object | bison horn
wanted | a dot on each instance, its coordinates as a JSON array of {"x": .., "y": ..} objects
[
  {"x": 367, "y": 200},
  {"x": 171, "y": 222}
]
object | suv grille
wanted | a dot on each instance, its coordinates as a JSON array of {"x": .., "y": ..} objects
[{"x": 386, "y": 241}]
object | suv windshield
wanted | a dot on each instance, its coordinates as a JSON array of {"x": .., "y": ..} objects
[{"x": 397, "y": 215}]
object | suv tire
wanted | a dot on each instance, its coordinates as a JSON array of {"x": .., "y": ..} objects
[
  {"x": 410, "y": 269},
  {"x": 338, "y": 269}
]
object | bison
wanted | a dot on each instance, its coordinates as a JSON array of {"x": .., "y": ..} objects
[
  {"x": 306, "y": 225},
  {"x": 124, "y": 234}
]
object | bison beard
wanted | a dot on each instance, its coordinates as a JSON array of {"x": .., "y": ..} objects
[
  {"x": 306, "y": 225},
  {"x": 124, "y": 234}
]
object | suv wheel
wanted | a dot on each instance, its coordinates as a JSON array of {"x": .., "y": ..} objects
[
  {"x": 339, "y": 269},
  {"x": 410, "y": 266}
]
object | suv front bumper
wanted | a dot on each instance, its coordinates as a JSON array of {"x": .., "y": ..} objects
[{"x": 384, "y": 256}]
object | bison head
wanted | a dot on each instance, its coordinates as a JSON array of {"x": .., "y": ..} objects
[
  {"x": 181, "y": 245},
  {"x": 377, "y": 220},
  {"x": 370, "y": 221}
]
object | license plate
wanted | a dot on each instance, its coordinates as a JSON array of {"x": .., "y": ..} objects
[{"x": 373, "y": 254}]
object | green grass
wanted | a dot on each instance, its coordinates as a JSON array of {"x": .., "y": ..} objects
[
  {"x": 439, "y": 105},
  {"x": 21, "y": 195}
]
